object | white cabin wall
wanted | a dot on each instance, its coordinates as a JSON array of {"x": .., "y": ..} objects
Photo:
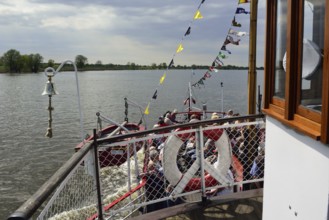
[{"x": 296, "y": 175}]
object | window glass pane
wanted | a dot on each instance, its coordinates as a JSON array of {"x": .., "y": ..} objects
[
  {"x": 311, "y": 84},
  {"x": 281, "y": 30}
]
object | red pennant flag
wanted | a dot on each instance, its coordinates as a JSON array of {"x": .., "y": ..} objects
[{"x": 207, "y": 75}]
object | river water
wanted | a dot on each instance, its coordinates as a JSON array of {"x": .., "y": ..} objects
[{"x": 28, "y": 159}]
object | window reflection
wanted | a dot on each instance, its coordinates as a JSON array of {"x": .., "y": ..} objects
[
  {"x": 311, "y": 83},
  {"x": 281, "y": 30}
]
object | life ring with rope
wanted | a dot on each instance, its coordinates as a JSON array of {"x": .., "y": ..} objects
[{"x": 215, "y": 173}]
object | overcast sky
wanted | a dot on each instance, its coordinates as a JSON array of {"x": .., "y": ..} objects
[{"x": 122, "y": 31}]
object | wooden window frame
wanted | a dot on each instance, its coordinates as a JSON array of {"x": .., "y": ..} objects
[{"x": 288, "y": 110}]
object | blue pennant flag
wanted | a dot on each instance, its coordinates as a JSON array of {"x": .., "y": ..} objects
[{"x": 241, "y": 11}]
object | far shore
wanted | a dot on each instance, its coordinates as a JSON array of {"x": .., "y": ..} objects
[{"x": 125, "y": 67}]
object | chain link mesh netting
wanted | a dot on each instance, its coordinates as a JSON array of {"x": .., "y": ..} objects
[
  {"x": 75, "y": 197},
  {"x": 183, "y": 165},
  {"x": 147, "y": 173}
]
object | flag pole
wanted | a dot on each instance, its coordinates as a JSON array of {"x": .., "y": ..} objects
[
  {"x": 222, "y": 99},
  {"x": 252, "y": 77},
  {"x": 190, "y": 97},
  {"x": 252, "y": 74}
]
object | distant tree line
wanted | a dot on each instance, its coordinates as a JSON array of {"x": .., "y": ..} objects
[{"x": 13, "y": 62}]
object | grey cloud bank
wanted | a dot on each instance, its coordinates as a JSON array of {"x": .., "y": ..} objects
[{"x": 122, "y": 31}]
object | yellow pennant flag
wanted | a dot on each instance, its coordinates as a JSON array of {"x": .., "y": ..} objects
[
  {"x": 162, "y": 78},
  {"x": 146, "y": 112},
  {"x": 179, "y": 48},
  {"x": 244, "y": 1},
  {"x": 198, "y": 15}
]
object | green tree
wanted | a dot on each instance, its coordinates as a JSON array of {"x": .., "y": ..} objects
[
  {"x": 24, "y": 60},
  {"x": 98, "y": 62},
  {"x": 132, "y": 66},
  {"x": 12, "y": 61},
  {"x": 153, "y": 66},
  {"x": 81, "y": 61},
  {"x": 51, "y": 63},
  {"x": 34, "y": 62},
  {"x": 162, "y": 66}
]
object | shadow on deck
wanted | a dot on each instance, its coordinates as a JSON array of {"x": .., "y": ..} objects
[{"x": 246, "y": 205}]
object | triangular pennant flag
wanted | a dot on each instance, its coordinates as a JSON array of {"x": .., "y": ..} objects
[
  {"x": 146, "y": 112},
  {"x": 198, "y": 15},
  {"x": 213, "y": 69},
  {"x": 188, "y": 31},
  {"x": 241, "y": 11},
  {"x": 244, "y": 1},
  {"x": 155, "y": 95},
  {"x": 162, "y": 78},
  {"x": 226, "y": 42},
  {"x": 238, "y": 33},
  {"x": 224, "y": 49},
  {"x": 235, "y": 24},
  {"x": 242, "y": 34},
  {"x": 219, "y": 62},
  {"x": 221, "y": 55},
  {"x": 229, "y": 39},
  {"x": 233, "y": 32},
  {"x": 207, "y": 75},
  {"x": 218, "y": 66},
  {"x": 179, "y": 48},
  {"x": 201, "y": 82},
  {"x": 171, "y": 63}
]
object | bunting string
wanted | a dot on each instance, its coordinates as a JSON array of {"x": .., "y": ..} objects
[
  {"x": 229, "y": 39},
  {"x": 232, "y": 38},
  {"x": 197, "y": 15}
]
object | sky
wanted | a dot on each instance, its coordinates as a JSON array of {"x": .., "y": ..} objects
[{"x": 121, "y": 31}]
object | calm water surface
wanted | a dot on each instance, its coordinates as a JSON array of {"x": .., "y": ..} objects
[{"x": 28, "y": 159}]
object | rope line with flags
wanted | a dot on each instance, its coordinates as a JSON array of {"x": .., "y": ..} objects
[
  {"x": 222, "y": 54},
  {"x": 197, "y": 15},
  {"x": 232, "y": 37}
]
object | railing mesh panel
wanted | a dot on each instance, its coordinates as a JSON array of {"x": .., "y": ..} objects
[
  {"x": 181, "y": 166},
  {"x": 75, "y": 198},
  {"x": 146, "y": 173}
]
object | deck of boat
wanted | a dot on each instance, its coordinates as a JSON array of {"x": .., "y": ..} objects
[{"x": 243, "y": 205}]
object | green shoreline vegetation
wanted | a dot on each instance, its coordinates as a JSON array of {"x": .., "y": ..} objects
[{"x": 13, "y": 62}]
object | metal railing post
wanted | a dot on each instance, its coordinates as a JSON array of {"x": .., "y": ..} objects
[
  {"x": 200, "y": 145},
  {"x": 97, "y": 179}
]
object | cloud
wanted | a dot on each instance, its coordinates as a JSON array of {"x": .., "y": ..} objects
[
  {"x": 86, "y": 18},
  {"x": 121, "y": 31}
]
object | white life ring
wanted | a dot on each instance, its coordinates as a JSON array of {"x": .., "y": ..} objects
[{"x": 215, "y": 173}]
